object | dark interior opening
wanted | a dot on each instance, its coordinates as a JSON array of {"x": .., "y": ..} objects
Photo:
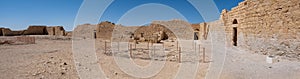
[
  {"x": 196, "y": 36},
  {"x": 234, "y": 36},
  {"x": 234, "y": 21}
]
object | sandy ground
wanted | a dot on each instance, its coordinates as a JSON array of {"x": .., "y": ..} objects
[{"x": 53, "y": 59}]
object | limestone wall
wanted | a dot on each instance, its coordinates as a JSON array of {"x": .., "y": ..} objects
[
  {"x": 104, "y": 30},
  {"x": 36, "y": 30},
  {"x": 148, "y": 31},
  {"x": 123, "y": 33},
  {"x": 182, "y": 29},
  {"x": 56, "y": 30},
  {"x": 1, "y": 34},
  {"x": 264, "y": 25},
  {"x": 84, "y": 31},
  {"x": 8, "y": 32}
]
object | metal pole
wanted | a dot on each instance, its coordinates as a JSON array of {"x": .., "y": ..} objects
[
  {"x": 163, "y": 45},
  {"x": 135, "y": 45},
  {"x": 118, "y": 46},
  {"x": 105, "y": 47},
  {"x": 148, "y": 45},
  {"x": 130, "y": 50},
  {"x": 195, "y": 45},
  {"x": 199, "y": 52},
  {"x": 203, "y": 55},
  {"x": 154, "y": 50},
  {"x": 179, "y": 55},
  {"x": 177, "y": 45}
]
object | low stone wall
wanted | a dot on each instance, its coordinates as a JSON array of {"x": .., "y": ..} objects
[{"x": 17, "y": 40}]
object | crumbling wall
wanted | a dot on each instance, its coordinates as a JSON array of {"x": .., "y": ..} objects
[
  {"x": 69, "y": 33},
  {"x": 56, "y": 30},
  {"x": 84, "y": 31},
  {"x": 202, "y": 30},
  {"x": 182, "y": 29},
  {"x": 59, "y": 31},
  {"x": 123, "y": 33},
  {"x": 50, "y": 31},
  {"x": 36, "y": 30},
  {"x": 8, "y": 32},
  {"x": 265, "y": 25},
  {"x": 17, "y": 40},
  {"x": 145, "y": 32},
  {"x": 1, "y": 34},
  {"x": 104, "y": 30}
]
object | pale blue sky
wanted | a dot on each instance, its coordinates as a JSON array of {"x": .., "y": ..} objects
[{"x": 19, "y": 14}]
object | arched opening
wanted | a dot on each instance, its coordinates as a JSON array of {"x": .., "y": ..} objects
[
  {"x": 196, "y": 35},
  {"x": 235, "y": 21},
  {"x": 234, "y": 38}
]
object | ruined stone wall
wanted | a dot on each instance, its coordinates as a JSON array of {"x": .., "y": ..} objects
[
  {"x": 59, "y": 31},
  {"x": 36, "y": 30},
  {"x": 1, "y": 34},
  {"x": 182, "y": 29},
  {"x": 84, "y": 31},
  {"x": 17, "y": 40},
  {"x": 264, "y": 25},
  {"x": 8, "y": 32},
  {"x": 148, "y": 31},
  {"x": 50, "y": 30},
  {"x": 104, "y": 30},
  {"x": 56, "y": 30},
  {"x": 123, "y": 33},
  {"x": 202, "y": 30}
]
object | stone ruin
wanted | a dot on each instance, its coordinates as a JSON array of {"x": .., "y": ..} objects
[
  {"x": 154, "y": 33},
  {"x": 35, "y": 30},
  {"x": 8, "y": 36},
  {"x": 104, "y": 31},
  {"x": 17, "y": 40},
  {"x": 269, "y": 27}
]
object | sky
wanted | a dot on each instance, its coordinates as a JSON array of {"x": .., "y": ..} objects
[{"x": 19, "y": 14}]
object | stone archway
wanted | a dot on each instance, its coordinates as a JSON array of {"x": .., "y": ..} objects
[{"x": 235, "y": 21}]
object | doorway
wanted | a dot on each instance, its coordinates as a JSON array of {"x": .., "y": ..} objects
[
  {"x": 196, "y": 35},
  {"x": 234, "y": 36}
]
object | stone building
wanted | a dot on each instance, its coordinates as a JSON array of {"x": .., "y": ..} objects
[
  {"x": 8, "y": 32},
  {"x": 264, "y": 25},
  {"x": 36, "y": 30},
  {"x": 56, "y": 30}
]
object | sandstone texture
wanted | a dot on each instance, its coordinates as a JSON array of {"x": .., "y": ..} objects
[
  {"x": 56, "y": 30},
  {"x": 36, "y": 30},
  {"x": 265, "y": 26},
  {"x": 8, "y": 32}
]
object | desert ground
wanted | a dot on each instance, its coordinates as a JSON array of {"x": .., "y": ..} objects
[{"x": 53, "y": 59}]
